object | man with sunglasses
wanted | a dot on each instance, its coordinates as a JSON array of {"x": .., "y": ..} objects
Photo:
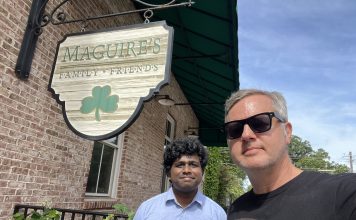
[{"x": 258, "y": 133}]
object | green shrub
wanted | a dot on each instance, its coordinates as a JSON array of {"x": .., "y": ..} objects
[
  {"x": 122, "y": 209},
  {"x": 46, "y": 214}
]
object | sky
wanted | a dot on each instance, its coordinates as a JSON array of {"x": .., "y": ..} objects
[{"x": 305, "y": 49}]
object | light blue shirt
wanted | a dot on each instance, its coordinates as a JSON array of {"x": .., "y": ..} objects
[{"x": 165, "y": 207}]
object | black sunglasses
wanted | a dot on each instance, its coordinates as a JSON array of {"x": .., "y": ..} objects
[{"x": 258, "y": 123}]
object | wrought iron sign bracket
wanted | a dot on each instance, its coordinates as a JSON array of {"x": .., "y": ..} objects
[{"x": 37, "y": 20}]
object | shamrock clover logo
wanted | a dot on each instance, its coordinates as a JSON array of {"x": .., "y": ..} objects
[{"x": 101, "y": 100}]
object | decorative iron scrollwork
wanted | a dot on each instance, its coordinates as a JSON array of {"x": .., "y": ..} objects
[
  {"x": 58, "y": 18},
  {"x": 154, "y": 5},
  {"x": 38, "y": 19}
]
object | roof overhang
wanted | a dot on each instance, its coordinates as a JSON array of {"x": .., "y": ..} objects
[{"x": 205, "y": 60}]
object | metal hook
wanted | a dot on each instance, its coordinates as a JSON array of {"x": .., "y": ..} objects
[{"x": 147, "y": 15}]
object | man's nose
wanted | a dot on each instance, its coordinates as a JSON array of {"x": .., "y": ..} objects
[
  {"x": 186, "y": 169},
  {"x": 247, "y": 133}
]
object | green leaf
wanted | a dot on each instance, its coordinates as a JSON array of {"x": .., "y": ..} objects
[
  {"x": 121, "y": 208},
  {"x": 53, "y": 214},
  {"x": 36, "y": 216},
  {"x": 304, "y": 157},
  {"x": 131, "y": 215},
  {"x": 110, "y": 104},
  {"x": 109, "y": 217},
  {"x": 88, "y": 105},
  {"x": 100, "y": 100},
  {"x": 223, "y": 180},
  {"x": 18, "y": 216}
]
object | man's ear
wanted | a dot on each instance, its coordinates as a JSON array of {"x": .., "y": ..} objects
[{"x": 288, "y": 132}]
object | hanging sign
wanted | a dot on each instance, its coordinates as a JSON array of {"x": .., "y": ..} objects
[{"x": 102, "y": 79}]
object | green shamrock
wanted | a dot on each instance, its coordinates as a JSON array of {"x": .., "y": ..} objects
[{"x": 101, "y": 100}]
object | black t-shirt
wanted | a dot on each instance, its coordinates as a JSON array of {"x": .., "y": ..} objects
[{"x": 310, "y": 195}]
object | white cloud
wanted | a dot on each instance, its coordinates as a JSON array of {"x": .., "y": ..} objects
[{"x": 323, "y": 127}]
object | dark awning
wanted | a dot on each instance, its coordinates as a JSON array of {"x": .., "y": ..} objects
[{"x": 205, "y": 60}]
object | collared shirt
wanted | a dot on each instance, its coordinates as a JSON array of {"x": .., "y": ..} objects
[{"x": 165, "y": 207}]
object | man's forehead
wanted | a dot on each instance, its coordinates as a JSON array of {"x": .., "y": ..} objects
[
  {"x": 187, "y": 157},
  {"x": 253, "y": 102},
  {"x": 255, "y": 97}
]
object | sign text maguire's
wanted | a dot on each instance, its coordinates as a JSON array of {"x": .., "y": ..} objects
[{"x": 113, "y": 50}]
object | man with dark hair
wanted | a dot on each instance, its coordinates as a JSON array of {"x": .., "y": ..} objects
[
  {"x": 258, "y": 134},
  {"x": 184, "y": 162}
]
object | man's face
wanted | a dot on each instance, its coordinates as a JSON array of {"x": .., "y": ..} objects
[
  {"x": 186, "y": 173},
  {"x": 255, "y": 151}
]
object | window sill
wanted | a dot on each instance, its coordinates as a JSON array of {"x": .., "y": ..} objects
[
  {"x": 94, "y": 203},
  {"x": 99, "y": 199}
]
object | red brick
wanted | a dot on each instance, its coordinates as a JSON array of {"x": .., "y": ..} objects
[{"x": 41, "y": 158}]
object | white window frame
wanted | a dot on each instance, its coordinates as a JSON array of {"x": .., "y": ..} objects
[
  {"x": 169, "y": 139},
  {"x": 165, "y": 184},
  {"x": 115, "y": 169}
]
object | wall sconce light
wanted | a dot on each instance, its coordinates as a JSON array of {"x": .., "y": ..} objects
[
  {"x": 165, "y": 100},
  {"x": 191, "y": 133}
]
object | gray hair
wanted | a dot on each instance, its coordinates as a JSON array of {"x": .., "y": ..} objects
[{"x": 278, "y": 101}]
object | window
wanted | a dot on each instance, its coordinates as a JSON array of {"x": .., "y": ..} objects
[
  {"x": 168, "y": 138},
  {"x": 170, "y": 130},
  {"x": 104, "y": 168}
]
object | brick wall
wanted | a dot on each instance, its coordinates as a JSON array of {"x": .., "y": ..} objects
[
  {"x": 40, "y": 158},
  {"x": 141, "y": 166},
  {"x": 143, "y": 151}
]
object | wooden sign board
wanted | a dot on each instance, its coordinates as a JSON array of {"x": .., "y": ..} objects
[{"x": 101, "y": 79}]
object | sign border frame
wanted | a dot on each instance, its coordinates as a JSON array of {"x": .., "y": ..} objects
[{"x": 150, "y": 96}]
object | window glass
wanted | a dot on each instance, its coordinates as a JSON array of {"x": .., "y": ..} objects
[
  {"x": 94, "y": 167},
  {"x": 104, "y": 168},
  {"x": 168, "y": 128}
]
